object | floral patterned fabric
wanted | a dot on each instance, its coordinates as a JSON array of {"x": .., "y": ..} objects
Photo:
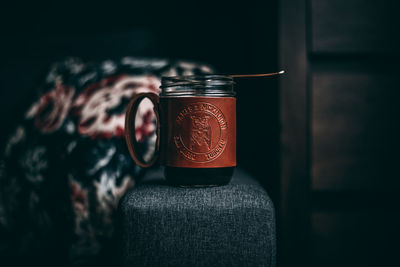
[{"x": 66, "y": 166}]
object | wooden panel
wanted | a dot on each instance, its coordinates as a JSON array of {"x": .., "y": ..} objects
[
  {"x": 355, "y": 239},
  {"x": 354, "y": 26},
  {"x": 355, "y": 128}
]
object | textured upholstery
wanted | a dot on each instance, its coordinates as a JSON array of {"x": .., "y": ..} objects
[{"x": 232, "y": 225}]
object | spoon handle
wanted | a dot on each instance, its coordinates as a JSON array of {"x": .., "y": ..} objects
[{"x": 257, "y": 75}]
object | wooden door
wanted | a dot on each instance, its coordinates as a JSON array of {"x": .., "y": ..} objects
[{"x": 340, "y": 148}]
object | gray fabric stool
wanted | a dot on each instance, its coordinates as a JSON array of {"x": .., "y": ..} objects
[{"x": 232, "y": 225}]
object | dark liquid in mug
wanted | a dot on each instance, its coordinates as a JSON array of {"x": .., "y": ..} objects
[{"x": 198, "y": 176}]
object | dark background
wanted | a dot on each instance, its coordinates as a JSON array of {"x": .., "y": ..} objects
[
  {"x": 323, "y": 139},
  {"x": 233, "y": 37}
]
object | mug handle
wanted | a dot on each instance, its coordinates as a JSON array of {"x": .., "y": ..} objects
[{"x": 130, "y": 137}]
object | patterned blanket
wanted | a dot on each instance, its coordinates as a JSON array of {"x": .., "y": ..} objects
[{"x": 66, "y": 165}]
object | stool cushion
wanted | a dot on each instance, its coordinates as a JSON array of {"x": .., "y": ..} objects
[{"x": 231, "y": 225}]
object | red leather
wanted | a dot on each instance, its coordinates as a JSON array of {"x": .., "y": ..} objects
[{"x": 198, "y": 132}]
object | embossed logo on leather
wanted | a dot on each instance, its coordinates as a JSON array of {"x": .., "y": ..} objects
[{"x": 200, "y": 132}]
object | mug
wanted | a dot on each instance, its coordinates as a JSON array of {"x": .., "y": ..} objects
[{"x": 196, "y": 129}]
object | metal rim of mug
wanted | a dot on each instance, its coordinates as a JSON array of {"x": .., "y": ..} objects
[{"x": 198, "y": 85}]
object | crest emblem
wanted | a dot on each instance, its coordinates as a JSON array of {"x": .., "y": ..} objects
[{"x": 200, "y": 132}]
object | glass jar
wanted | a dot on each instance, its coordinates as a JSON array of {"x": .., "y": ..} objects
[{"x": 196, "y": 129}]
